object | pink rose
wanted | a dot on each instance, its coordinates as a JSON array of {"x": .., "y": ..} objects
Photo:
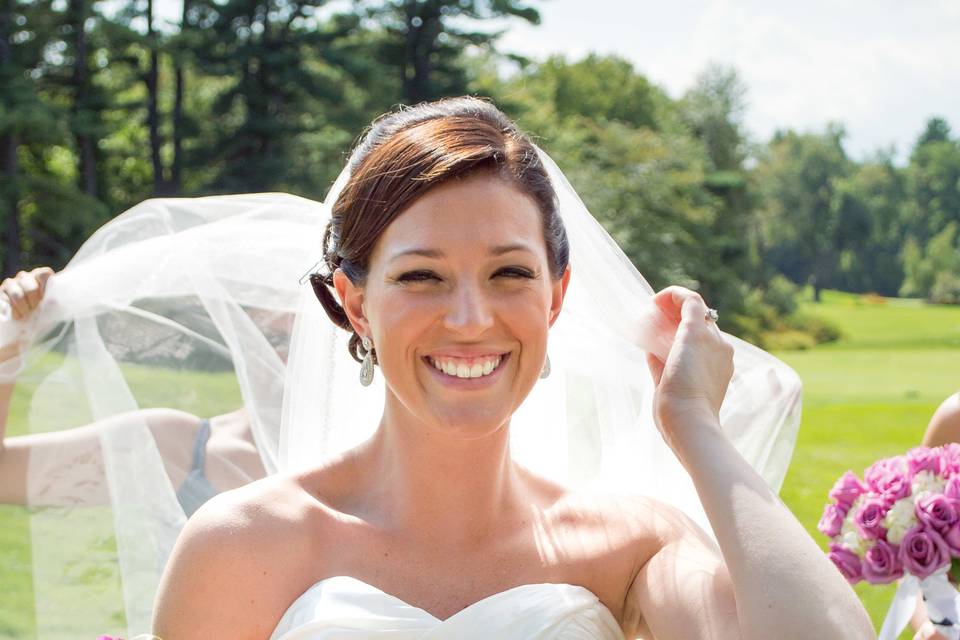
[
  {"x": 952, "y": 537},
  {"x": 869, "y": 518},
  {"x": 936, "y": 511},
  {"x": 847, "y": 489},
  {"x": 847, "y": 562},
  {"x": 924, "y": 459},
  {"x": 952, "y": 489},
  {"x": 951, "y": 459},
  {"x": 831, "y": 521},
  {"x": 888, "y": 478},
  {"x": 881, "y": 564},
  {"x": 923, "y": 551}
]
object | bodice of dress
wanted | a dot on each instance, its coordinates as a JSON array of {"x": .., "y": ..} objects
[{"x": 342, "y": 608}]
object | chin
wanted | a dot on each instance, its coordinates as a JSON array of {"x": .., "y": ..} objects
[{"x": 469, "y": 422}]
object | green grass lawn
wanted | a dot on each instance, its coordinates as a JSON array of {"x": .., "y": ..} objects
[
  {"x": 201, "y": 393},
  {"x": 867, "y": 396}
]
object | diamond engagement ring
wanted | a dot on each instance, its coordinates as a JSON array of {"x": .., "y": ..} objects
[{"x": 712, "y": 315}]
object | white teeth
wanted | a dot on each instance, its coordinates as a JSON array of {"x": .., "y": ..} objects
[{"x": 461, "y": 370}]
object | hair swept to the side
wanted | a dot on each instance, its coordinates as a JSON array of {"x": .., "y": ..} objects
[{"x": 409, "y": 151}]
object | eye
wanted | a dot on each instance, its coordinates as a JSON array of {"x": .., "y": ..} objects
[
  {"x": 515, "y": 272},
  {"x": 417, "y": 276}
]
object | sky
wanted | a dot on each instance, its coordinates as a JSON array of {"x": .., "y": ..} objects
[{"x": 879, "y": 67}]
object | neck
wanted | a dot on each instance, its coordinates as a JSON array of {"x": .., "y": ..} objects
[{"x": 428, "y": 482}]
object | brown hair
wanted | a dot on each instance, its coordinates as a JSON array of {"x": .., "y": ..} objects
[{"x": 406, "y": 153}]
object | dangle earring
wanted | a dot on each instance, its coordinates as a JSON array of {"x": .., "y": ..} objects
[
  {"x": 366, "y": 367},
  {"x": 546, "y": 367}
]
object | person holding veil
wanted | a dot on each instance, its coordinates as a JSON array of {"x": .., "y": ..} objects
[
  {"x": 183, "y": 439},
  {"x": 532, "y": 441},
  {"x": 135, "y": 384}
]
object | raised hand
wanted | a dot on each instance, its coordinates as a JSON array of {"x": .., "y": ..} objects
[
  {"x": 21, "y": 295},
  {"x": 24, "y": 291},
  {"x": 692, "y": 381}
]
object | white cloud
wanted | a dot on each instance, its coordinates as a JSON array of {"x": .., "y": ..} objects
[{"x": 880, "y": 67}]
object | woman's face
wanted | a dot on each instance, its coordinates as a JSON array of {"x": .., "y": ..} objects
[{"x": 458, "y": 302}]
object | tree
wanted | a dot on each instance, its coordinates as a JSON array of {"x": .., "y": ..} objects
[
  {"x": 713, "y": 110},
  {"x": 869, "y": 203},
  {"x": 266, "y": 58},
  {"x": 425, "y": 40},
  {"x": 934, "y": 272},
  {"x": 802, "y": 215},
  {"x": 933, "y": 182}
]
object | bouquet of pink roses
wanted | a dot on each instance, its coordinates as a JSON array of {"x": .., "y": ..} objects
[{"x": 902, "y": 521}]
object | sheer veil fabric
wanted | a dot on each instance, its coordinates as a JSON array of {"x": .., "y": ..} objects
[{"x": 188, "y": 303}]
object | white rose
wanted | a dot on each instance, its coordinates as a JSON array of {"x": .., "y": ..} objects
[
  {"x": 927, "y": 481},
  {"x": 899, "y": 519},
  {"x": 855, "y": 543}
]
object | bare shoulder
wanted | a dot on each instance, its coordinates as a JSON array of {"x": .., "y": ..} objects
[
  {"x": 634, "y": 519},
  {"x": 238, "y": 563},
  {"x": 681, "y": 576},
  {"x": 944, "y": 426},
  {"x": 646, "y": 549}
]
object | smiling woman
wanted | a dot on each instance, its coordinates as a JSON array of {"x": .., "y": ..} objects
[{"x": 451, "y": 499}]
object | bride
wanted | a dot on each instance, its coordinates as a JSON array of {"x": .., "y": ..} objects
[{"x": 446, "y": 261}]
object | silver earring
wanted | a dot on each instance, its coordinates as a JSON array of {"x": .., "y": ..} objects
[
  {"x": 546, "y": 367},
  {"x": 366, "y": 367}
]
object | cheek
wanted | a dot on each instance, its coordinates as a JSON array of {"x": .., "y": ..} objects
[{"x": 400, "y": 317}]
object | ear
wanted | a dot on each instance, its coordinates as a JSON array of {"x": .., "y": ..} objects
[
  {"x": 557, "y": 295},
  {"x": 351, "y": 299}
]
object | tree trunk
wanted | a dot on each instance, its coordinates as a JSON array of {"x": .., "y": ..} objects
[
  {"x": 11, "y": 204},
  {"x": 86, "y": 145},
  {"x": 153, "y": 112},
  {"x": 9, "y": 167},
  {"x": 179, "y": 83},
  {"x": 415, "y": 66}
]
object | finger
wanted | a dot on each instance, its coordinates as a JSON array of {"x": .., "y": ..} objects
[
  {"x": 18, "y": 304},
  {"x": 31, "y": 290},
  {"x": 656, "y": 367},
  {"x": 693, "y": 308},
  {"x": 670, "y": 300},
  {"x": 42, "y": 274}
]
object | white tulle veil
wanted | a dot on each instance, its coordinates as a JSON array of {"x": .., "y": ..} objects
[{"x": 177, "y": 304}]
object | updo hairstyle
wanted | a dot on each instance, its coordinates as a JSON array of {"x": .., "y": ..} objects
[{"x": 406, "y": 153}]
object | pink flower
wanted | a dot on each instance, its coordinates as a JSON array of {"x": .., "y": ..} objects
[
  {"x": 951, "y": 459},
  {"x": 881, "y": 564},
  {"x": 936, "y": 511},
  {"x": 923, "y": 551},
  {"x": 847, "y": 489},
  {"x": 924, "y": 459},
  {"x": 952, "y": 489},
  {"x": 888, "y": 478},
  {"x": 847, "y": 562},
  {"x": 869, "y": 518},
  {"x": 952, "y": 537},
  {"x": 831, "y": 521}
]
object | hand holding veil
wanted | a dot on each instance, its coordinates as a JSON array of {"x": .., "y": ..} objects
[{"x": 168, "y": 301}]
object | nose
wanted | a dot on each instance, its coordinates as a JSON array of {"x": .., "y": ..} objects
[{"x": 469, "y": 311}]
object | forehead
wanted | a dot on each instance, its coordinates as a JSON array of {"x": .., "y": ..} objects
[{"x": 477, "y": 211}]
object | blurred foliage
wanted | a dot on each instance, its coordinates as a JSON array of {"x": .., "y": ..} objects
[{"x": 103, "y": 105}]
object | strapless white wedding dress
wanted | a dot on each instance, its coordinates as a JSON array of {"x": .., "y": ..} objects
[{"x": 343, "y": 608}]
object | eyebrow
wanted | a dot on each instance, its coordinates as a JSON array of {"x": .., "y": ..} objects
[{"x": 436, "y": 253}]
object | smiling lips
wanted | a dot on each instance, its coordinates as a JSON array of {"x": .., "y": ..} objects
[{"x": 466, "y": 367}]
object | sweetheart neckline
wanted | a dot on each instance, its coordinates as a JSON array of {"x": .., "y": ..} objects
[{"x": 485, "y": 599}]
